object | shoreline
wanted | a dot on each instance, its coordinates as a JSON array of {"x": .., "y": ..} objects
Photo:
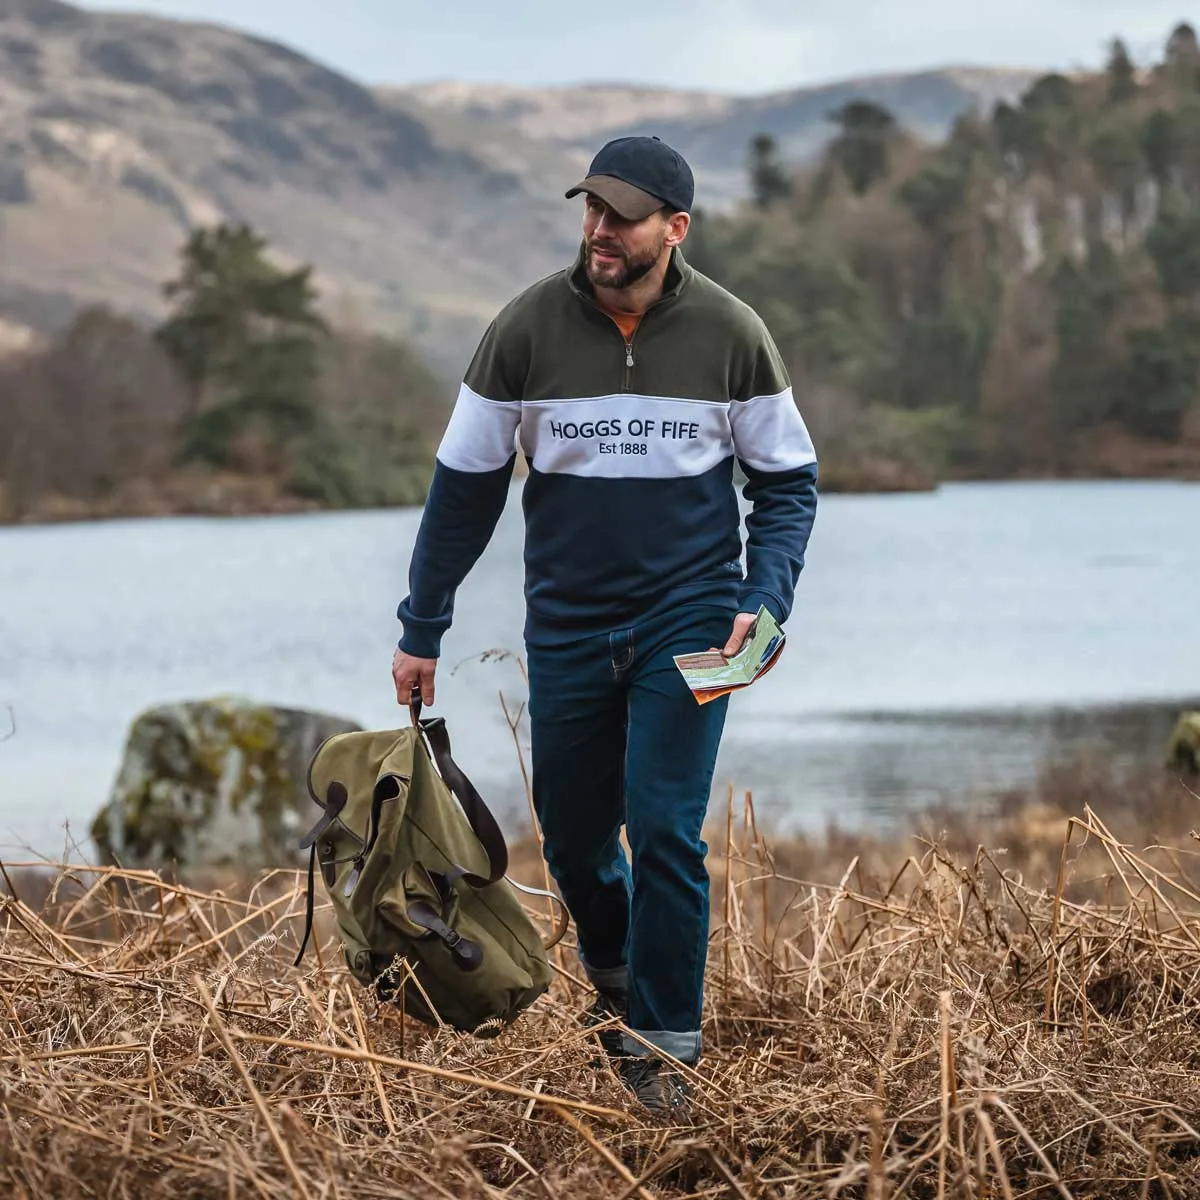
[
  {"x": 227, "y": 494},
  {"x": 1003, "y": 756}
]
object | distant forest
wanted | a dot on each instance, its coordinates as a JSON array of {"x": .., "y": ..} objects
[{"x": 1023, "y": 299}]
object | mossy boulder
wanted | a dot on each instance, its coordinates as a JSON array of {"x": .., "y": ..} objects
[
  {"x": 213, "y": 783},
  {"x": 1183, "y": 749}
]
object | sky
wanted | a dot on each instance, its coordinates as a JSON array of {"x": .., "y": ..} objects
[{"x": 740, "y": 46}]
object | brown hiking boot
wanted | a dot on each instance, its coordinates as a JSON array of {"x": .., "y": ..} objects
[{"x": 660, "y": 1088}]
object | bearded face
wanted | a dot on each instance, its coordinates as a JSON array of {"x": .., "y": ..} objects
[
  {"x": 611, "y": 266},
  {"x": 619, "y": 253}
]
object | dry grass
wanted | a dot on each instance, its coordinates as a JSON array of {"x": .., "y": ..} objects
[{"x": 937, "y": 1023}]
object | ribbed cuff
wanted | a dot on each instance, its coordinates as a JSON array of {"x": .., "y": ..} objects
[
  {"x": 421, "y": 643},
  {"x": 751, "y": 601}
]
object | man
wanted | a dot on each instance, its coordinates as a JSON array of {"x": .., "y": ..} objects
[{"x": 633, "y": 382}]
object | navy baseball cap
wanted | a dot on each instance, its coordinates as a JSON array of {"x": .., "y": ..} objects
[{"x": 636, "y": 176}]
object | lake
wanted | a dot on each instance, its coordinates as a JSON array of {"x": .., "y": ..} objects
[{"x": 943, "y": 645}]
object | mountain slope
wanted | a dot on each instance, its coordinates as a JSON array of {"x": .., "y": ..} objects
[
  {"x": 424, "y": 208},
  {"x": 122, "y": 132}
]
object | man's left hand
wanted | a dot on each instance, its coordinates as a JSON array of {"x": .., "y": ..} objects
[{"x": 741, "y": 626}]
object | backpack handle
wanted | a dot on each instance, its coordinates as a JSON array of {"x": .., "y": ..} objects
[{"x": 562, "y": 922}]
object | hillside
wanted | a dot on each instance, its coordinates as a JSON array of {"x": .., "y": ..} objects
[
  {"x": 422, "y": 208},
  {"x": 123, "y": 132},
  {"x": 713, "y": 129},
  {"x": 574, "y": 115}
]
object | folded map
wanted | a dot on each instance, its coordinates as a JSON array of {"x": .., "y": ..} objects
[{"x": 710, "y": 674}]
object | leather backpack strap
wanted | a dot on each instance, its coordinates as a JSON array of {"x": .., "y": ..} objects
[
  {"x": 309, "y": 904},
  {"x": 480, "y": 817},
  {"x": 482, "y": 822},
  {"x": 467, "y": 955},
  {"x": 335, "y": 800}
]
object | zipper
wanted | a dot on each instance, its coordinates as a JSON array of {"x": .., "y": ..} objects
[{"x": 627, "y": 378}]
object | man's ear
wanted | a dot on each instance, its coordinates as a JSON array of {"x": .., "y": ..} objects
[{"x": 677, "y": 227}]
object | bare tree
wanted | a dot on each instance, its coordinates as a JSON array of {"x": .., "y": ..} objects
[{"x": 102, "y": 404}]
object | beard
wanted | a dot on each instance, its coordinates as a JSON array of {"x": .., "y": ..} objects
[{"x": 626, "y": 271}]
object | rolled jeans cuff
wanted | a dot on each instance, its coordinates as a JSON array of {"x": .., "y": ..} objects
[
  {"x": 608, "y": 979},
  {"x": 683, "y": 1046}
]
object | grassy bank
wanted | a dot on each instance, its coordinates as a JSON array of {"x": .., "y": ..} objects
[{"x": 1000, "y": 1009}]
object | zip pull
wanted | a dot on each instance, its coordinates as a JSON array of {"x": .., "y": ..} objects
[{"x": 629, "y": 354}]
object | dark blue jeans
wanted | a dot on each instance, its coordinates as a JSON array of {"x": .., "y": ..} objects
[{"x": 619, "y": 739}]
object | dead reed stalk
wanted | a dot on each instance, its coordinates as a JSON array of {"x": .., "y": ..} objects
[{"x": 928, "y": 1025}]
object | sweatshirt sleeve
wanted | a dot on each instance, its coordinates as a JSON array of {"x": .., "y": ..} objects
[
  {"x": 776, "y": 453},
  {"x": 466, "y": 497}
]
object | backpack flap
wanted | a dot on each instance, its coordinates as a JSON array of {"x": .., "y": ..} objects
[{"x": 360, "y": 780}]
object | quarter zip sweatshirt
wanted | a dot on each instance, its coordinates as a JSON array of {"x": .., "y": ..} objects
[{"x": 630, "y": 503}]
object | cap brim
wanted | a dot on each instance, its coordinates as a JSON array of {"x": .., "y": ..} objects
[{"x": 623, "y": 198}]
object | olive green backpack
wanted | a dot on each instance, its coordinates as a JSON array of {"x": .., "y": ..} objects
[{"x": 413, "y": 863}]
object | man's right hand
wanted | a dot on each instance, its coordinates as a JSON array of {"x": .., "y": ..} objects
[{"x": 410, "y": 673}]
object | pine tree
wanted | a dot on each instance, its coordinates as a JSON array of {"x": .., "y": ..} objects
[
  {"x": 769, "y": 179},
  {"x": 1183, "y": 55},
  {"x": 246, "y": 335},
  {"x": 862, "y": 147},
  {"x": 1122, "y": 75}
]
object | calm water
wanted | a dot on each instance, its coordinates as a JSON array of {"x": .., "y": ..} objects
[{"x": 942, "y": 644}]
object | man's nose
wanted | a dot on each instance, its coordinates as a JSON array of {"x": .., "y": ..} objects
[{"x": 608, "y": 223}]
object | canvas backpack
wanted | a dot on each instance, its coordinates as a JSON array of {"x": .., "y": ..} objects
[{"x": 414, "y": 866}]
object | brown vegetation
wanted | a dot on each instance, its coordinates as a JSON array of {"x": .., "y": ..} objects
[
  {"x": 886, "y": 1017},
  {"x": 103, "y": 404}
]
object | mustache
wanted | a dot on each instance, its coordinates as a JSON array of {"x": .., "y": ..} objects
[{"x": 611, "y": 247}]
